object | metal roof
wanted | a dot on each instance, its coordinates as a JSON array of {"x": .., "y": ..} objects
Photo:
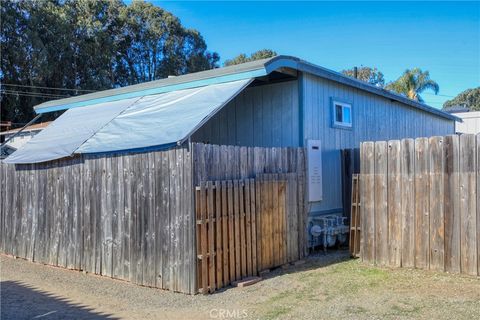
[{"x": 242, "y": 71}]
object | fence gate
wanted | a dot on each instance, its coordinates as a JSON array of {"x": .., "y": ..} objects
[{"x": 243, "y": 227}]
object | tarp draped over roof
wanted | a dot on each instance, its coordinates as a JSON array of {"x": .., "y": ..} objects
[
  {"x": 140, "y": 122},
  {"x": 162, "y": 118},
  {"x": 64, "y": 135}
]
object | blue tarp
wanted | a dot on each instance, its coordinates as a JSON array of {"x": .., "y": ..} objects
[{"x": 154, "y": 120}]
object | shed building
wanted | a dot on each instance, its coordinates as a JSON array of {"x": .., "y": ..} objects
[
  {"x": 122, "y": 167},
  {"x": 470, "y": 122}
]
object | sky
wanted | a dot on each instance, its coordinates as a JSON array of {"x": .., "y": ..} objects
[{"x": 441, "y": 37}]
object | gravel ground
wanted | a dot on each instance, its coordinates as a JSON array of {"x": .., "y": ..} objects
[{"x": 325, "y": 287}]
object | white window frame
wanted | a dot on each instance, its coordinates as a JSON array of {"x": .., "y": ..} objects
[{"x": 344, "y": 105}]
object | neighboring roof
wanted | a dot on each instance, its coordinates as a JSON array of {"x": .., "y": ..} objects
[
  {"x": 456, "y": 108},
  {"x": 33, "y": 127},
  {"x": 469, "y": 114},
  {"x": 242, "y": 71},
  {"x": 6, "y": 150}
]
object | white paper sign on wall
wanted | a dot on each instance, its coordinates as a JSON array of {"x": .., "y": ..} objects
[{"x": 314, "y": 171}]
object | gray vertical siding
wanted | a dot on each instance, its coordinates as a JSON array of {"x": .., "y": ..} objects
[
  {"x": 374, "y": 118},
  {"x": 270, "y": 116},
  {"x": 262, "y": 116}
]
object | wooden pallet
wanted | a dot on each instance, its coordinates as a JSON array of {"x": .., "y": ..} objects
[
  {"x": 244, "y": 227},
  {"x": 354, "y": 243},
  {"x": 225, "y": 229}
]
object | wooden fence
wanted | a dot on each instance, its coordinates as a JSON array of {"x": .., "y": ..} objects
[
  {"x": 213, "y": 163},
  {"x": 420, "y": 203},
  {"x": 128, "y": 217},
  {"x": 245, "y": 226}
]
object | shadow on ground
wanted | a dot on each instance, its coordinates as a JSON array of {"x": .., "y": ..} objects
[
  {"x": 22, "y": 301},
  {"x": 315, "y": 260}
]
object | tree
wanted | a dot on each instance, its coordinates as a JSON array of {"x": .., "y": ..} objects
[
  {"x": 469, "y": 98},
  {"x": 257, "y": 55},
  {"x": 89, "y": 45},
  {"x": 367, "y": 74},
  {"x": 412, "y": 83},
  {"x": 155, "y": 45}
]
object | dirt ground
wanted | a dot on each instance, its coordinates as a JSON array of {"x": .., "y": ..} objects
[{"x": 325, "y": 287}]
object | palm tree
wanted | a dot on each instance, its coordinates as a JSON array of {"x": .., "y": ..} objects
[{"x": 412, "y": 83}]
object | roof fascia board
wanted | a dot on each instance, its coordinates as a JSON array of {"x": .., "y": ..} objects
[
  {"x": 181, "y": 86},
  {"x": 277, "y": 63}
]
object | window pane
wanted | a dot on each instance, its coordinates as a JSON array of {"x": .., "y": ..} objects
[
  {"x": 338, "y": 113},
  {"x": 347, "y": 117}
]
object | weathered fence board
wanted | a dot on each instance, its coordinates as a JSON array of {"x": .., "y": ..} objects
[
  {"x": 381, "y": 208},
  {"x": 452, "y": 204},
  {"x": 394, "y": 203},
  {"x": 436, "y": 170},
  {"x": 422, "y": 228},
  {"x": 367, "y": 200},
  {"x": 432, "y": 203},
  {"x": 407, "y": 202},
  {"x": 468, "y": 198}
]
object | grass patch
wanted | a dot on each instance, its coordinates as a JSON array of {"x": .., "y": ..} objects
[
  {"x": 405, "y": 309},
  {"x": 355, "y": 310},
  {"x": 277, "y": 312},
  {"x": 281, "y": 296},
  {"x": 353, "y": 290}
]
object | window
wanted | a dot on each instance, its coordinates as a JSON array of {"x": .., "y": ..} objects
[{"x": 342, "y": 114}]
